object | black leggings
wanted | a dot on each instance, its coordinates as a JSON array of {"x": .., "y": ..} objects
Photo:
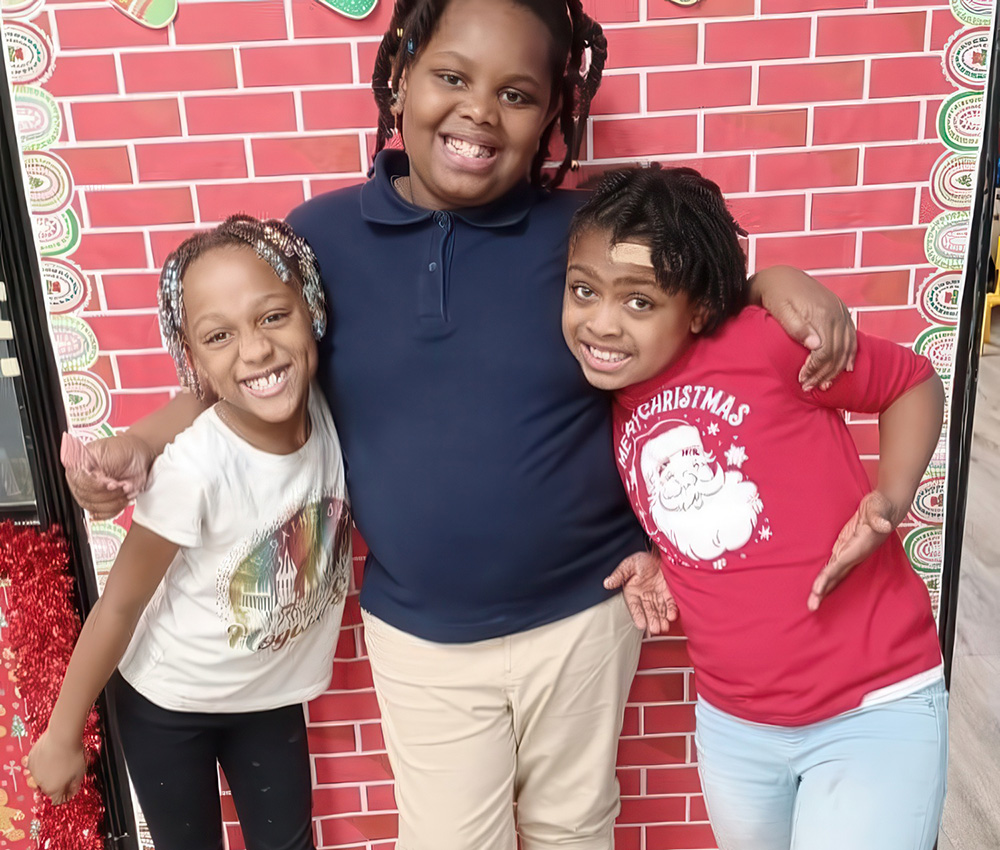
[{"x": 172, "y": 758}]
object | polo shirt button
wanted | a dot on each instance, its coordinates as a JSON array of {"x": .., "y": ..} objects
[{"x": 432, "y": 267}]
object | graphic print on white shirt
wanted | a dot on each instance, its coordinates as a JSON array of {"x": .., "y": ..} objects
[
  {"x": 704, "y": 509},
  {"x": 276, "y": 585}
]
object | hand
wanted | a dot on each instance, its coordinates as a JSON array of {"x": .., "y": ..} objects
[
  {"x": 811, "y": 314},
  {"x": 645, "y": 590},
  {"x": 864, "y": 532},
  {"x": 57, "y": 768},
  {"x": 106, "y": 474}
]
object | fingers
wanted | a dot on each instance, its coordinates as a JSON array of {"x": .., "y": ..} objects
[
  {"x": 637, "y": 612},
  {"x": 836, "y": 353},
  {"x": 624, "y": 571},
  {"x": 847, "y": 555},
  {"x": 616, "y": 579},
  {"x": 100, "y": 496},
  {"x": 672, "y": 610}
]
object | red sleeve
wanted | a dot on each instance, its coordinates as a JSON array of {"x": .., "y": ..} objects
[{"x": 883, "y": 371}]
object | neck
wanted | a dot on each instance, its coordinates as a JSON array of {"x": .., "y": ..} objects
[{"x": 279, "y": 438}]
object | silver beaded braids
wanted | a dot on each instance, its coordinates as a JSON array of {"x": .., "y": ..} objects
[{"x": 273, "y": 241}]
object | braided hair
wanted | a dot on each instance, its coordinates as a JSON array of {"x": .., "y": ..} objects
[
  {"x": 682, "y": 216},
  {"x": 273, "y": 241},
  {"x": 573, "y": 79}
]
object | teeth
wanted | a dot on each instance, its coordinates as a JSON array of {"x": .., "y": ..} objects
[
  {"x": 607, "y": 356},
  {"x": 463, "y": 148},
  {"x": 265, "y": 381}
]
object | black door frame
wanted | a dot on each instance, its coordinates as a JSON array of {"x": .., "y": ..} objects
[{"x": 44, "y": 421}]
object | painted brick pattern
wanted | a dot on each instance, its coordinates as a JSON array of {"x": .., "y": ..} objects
[{"x": 817, "y": 117}]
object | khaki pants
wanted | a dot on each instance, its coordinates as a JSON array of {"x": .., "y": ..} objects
[{"x": 531, "y": 718}]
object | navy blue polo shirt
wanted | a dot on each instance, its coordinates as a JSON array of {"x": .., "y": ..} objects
[{"x": 479, "y": 460}]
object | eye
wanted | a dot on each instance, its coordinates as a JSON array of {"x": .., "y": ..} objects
[
  {"x": 639, "y": 303},
  {"x": 582, "y": 291},
  {"x": 450, "y": 79},
  {"x": 514, "y": 97},
  {"x": 272, "y": 318},
  {"x": 217, "y": 337}
]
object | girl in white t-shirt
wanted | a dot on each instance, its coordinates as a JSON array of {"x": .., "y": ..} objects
[{"x": 222, "y": 609}]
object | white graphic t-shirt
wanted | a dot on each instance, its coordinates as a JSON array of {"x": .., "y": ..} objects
[{"x": 247, "y": 615}]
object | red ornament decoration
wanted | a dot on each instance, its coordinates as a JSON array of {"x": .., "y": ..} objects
[{"x": 44, "y": 626}]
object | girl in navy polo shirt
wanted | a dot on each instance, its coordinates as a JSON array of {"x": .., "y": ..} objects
[{"x": 477, "y": 455}]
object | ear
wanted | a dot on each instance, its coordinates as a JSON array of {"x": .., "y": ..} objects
[
  {"x": 699, "y": 319},
  {"x": 397, "y": 101}
]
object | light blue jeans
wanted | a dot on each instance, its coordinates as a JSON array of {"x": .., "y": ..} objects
[{"x": 871, "y": 779}]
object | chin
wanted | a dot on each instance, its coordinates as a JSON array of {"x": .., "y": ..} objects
[{"x": 604, "y": 381}]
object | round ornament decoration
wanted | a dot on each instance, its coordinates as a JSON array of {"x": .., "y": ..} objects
[
  {"x": 57, "y": 234},
  {"x": 50, "y": 184},
  {"x": 964, "y": 57},
  {"x": 928, "y": 504},
  {"x": 37, "y": 118},
  {"x": 75, "y": 344},
  {"x": 354, "y": 9},
  {"x": 952, "y": 180},
  {"x": 29, "y": 53},
  {"x": 947, "y": 239},
  {"x": 19, "y": 8},
  {"x": 67, "y": 289},
  {"x": 88, "y": 435},
  {"x": 960, "y": 121},
  {"x": 938, "y": 346},
  {"x": 88, "y": 400},
  {"x": 155, "y": 14},
  {"x": 975, "y": 13},
  {"x": 937, "y": 298},
  {"x": 106, "y": 538},
  {"x": 924, "y": 549}
]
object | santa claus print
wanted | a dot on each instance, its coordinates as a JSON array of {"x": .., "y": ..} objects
[{"x": 702, "y": 509}]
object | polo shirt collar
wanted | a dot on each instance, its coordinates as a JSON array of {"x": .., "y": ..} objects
[{"x": 382, "y": 204}]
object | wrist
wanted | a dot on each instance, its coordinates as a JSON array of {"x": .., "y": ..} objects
[{"x": 897, "y": 501}]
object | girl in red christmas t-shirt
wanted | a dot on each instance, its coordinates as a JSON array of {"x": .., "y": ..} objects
[{"x": 818, "y": 725}]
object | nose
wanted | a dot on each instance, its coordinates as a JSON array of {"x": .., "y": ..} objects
[
  {"x": 603, "y": 320},
  {"x": 480, "y": 106},
  {"x": 255, "y": 346}
]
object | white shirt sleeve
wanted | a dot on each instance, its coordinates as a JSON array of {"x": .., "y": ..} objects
[{"x": 175, "y": 502}]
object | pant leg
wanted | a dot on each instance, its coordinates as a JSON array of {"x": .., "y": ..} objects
[
  {"x": 572, "y": 679},
  {"x": 448, "y": 730},
  {"x": 749, "y": 783},
  {"x": 171, "y": 758},
  {"x": 265, "y": 756},
  {"x": 874, "y": 779}
]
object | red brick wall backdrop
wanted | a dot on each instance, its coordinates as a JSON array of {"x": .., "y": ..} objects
[{"x": 844, "y": 141}]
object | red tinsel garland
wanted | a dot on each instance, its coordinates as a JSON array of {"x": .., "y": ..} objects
[{"x": 43, "y": 630}]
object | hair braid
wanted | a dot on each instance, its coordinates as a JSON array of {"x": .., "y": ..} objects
[
  {"x": 413, "y": 23},
  {"x": 683, "y": 217}
]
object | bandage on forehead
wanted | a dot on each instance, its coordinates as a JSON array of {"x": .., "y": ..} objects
[{"x": 633, "y": 253}]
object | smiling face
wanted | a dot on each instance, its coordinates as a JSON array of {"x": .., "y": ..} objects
[
  {"x": 617, "y": 321},
  {"x": 250, "y": 338},
  {"x": 475, "y": 102}
]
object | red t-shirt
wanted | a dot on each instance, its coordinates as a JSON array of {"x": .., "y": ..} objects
[{"x": 744, "y": 481}]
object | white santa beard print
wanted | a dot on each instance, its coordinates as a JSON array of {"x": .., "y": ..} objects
[{"x": 719, "y": 522}]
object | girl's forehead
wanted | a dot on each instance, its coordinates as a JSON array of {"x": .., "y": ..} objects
[{"x": 476, "y": 26}]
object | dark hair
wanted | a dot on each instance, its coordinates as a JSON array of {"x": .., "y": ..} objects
[
  {"x": 683, "y": 217},
  {"x": 573, "y": 32}
]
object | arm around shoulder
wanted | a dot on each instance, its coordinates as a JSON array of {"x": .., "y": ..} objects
[
  {"x": 118, "y": 466},
  {"x": 810, "y": 314}
]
